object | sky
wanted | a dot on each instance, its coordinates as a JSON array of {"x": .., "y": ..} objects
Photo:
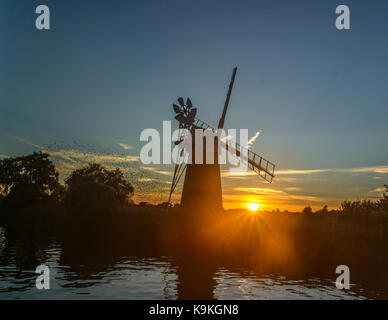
[{"x": 106, "y": 70}]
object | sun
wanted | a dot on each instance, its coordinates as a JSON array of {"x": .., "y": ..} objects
[{"x": 253, "y": 206}]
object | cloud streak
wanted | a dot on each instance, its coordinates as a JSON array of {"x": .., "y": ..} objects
[
  {"x": 253, "y": 139},
  {"x": 375, "y": 169},
  {"x": 166, "y": 173},
  {"x": 145, "y": 180},
  {"x": 125, "y": 146},
  {"x": 86, "y": 157},
  {"x": 25, "y": 141},
  {"x": 378, "y": 190},
  {"x": 258, "y": 190}
]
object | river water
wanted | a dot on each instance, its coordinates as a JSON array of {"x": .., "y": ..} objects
[{"x": 131, "y": 277}]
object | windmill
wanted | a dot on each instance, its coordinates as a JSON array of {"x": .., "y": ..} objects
[{"x": 202, "y": 183}]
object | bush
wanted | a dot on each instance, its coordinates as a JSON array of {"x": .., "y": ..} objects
[
  {"x": 307, "y": 210},
  {"x": 95, "y": 173},
  {"x": 94, "y": 192}
]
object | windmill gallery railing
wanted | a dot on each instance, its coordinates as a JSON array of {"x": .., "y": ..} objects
[{"x": 260, "y": 165}]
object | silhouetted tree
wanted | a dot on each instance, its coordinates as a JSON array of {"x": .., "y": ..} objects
[
  {"x": 384, "y": 201},
  {"x": 96, "y": 173},
  {"x": 96, "y": 188},
  {"x": 28, "y": 180},
  {"x": 307, "y": 210},
  {"x": 359, "y": 207}
]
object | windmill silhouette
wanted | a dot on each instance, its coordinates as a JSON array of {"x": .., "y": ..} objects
[{"x": 202, "y": 184}]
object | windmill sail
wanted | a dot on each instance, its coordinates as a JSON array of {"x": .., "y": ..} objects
[{"x": 222, "y": 119}]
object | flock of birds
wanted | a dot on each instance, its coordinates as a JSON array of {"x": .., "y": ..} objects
[{"x": 146, "y": 182}]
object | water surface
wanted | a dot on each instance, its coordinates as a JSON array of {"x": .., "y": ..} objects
[{"x": 133, "y": 277}]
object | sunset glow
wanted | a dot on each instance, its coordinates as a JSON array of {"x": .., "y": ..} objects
[{"x": 253, "y": 206}]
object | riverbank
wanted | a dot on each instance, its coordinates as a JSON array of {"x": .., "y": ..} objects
[{"x": 259, "y": 240}]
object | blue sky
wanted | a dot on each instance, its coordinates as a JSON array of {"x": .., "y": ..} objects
[{"x": 108, "y": 69}]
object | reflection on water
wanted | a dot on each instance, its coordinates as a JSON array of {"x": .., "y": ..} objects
[
  {"x": 231, "y": 285},
  {"x": 93, "y": 275}
]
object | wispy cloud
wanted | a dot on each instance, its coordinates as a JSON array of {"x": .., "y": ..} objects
[
  {"x": 253, "y": 139},
  {"x": 25, "y": 141},
  {"x": 305, "y": 198},
  {"x": 86, "y": 157},
  {"x": 167, "y": 173},
  {"x": 375, "y": 169},
  {"x": 291, "y": 189},
  {"x": 289, "y": 172},
  {"x": 293, "y": 171},
  {"x": 258, "y": 190},
  {"x": 286, "y": 179},
  {"x": 239, "y": 173},
  {"x": 145, "y": 179},
  {"x": 378, "y": 190},
  {"x": 125, "y": 146}
]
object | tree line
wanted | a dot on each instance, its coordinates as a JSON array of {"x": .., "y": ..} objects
[
  {"x": 33, "y": 180},
  {"x": 358, "y": 207}
]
